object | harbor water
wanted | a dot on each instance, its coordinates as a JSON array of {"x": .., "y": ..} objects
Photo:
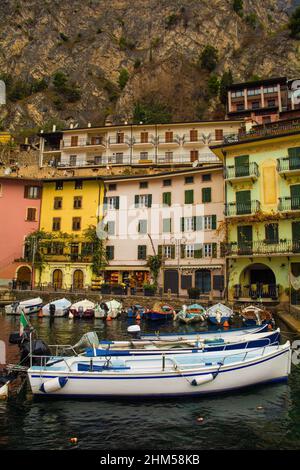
[{"x": 264, "y": 417}]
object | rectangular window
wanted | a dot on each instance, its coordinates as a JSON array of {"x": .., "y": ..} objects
[
  {"x": 59, "y": 185},
  {"x": 111, "y": 227},
  {"x": 271, "y": 103},
  {"x": 194, "y": 155},
  {"x": 142, "y": 226},
  {"x": 189, "y": 196},
  {"x": 31, "y": 214},
  {"x": 255, "y": 104},
  {"x": 240, "y": 107},
  {"x": 189, "y": 180},
  {"x": 142, "y": 251},
  {"x": 96, "y": 140},
  {"x": 78, "y": 184},
  {"x": 77, "y": 203},
  {"x": 193, "y": 135},
  {"x": 143, "y": 155},
  {"x": 207, "y": 252},
  {"x": 120, "y": 137},
  {"x": 73, "y": 160},
  {"x": 97, "y": 160},
  {"x": 167, "y": 225},
  {"x": 55, "y": 248},
  {"x": 167, "y": 182},
  {"x": 188, "y": 224},
  {"x": 143, "y": 184},
  {"x": 168, "y": 157},
  {"x": 167, "y": 251},
  {"x": 144, "y": 137},
  {"x": 57, "y": 203},
  {"x": 143, "y": 200},
  {"x": 166, "y": 199},
  {"x": 206, "y": 177},
  {"x": 110, "y": 252},
  {"x": 206, "y": 194},
  {"x": 271, "y": 233},
  {"x": 32, "y": 192},
  {"x": 119, "y": 157},
  {"x": 169, "y": 136},
  {"x": 207, "y": 222},
  {"x": 56, "y": 224},
  {"x": 189, "y": 251},
  {"x": 74, "y": 140},
  {"x": 112, "y": 187},
  {"x": 112, "y": 202},
  {"x": 76, "y": 223},
  {"x": 218, "y": 134}
]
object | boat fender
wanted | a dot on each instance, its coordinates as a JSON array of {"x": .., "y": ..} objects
[
  {"x": 201, "y": 380},
  {"x": 53, "y": 385}
]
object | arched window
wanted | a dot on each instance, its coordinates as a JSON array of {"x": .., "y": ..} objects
[{"x": 78, "y": 279}]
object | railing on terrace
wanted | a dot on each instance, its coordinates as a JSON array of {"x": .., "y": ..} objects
[
  {"x": 264, "y": 247},
  {"x": 276, "y": 129},
  {"x": 257, "y": 291},
  {"x": 242, "y": 171},
  {"x": 291, "y": 203},
  {"x": 234, "y": 208},
  {"x": 120, "y": 141},
  {"x": 288, "y": 164}
]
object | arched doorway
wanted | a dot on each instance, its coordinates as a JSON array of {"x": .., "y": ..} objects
[
  {"x": 203, "y": 280},
  {"x": 78, "y": 279},
  {"x": 171, "y": 279},
  {"x": 24, "y": 277},
  {"x": 259, "y": 281},
  {"x": 57, "y": 278}
]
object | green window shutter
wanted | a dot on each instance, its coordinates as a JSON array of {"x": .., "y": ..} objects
[
  {"x": 213, "y": 222},
  {"x": 271, "y": 233},
  {"x": 206, "y": 194},
  {"x": 241, "y": 164},
  {"x": 167, "y": 199},
  {"x": 243, "y": 202},
  {"x": 294, "y": 152},
  {"x": 105, "y": 201},
  {"x": 197, "y": 250},
  {"x": 182, "y": 251},
  {"x": 117, "y": 202},
  {"x": 159, "y": 250},
  {"x": 136, "y": 200},
  {"x": 198, "y": 224},
  {"x": 182, "y": 223},
  {"x": 173, "y": 251},
  {"x": 149, "y": 200},
  {"x": 214, "y": 250},
  {"x": 189, "y": 196},
  {"x": 142, "y": 251}
]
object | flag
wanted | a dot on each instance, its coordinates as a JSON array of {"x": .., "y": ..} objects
[{"x": 23, "y": 323}]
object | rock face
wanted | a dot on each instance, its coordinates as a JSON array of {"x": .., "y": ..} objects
[{"x": 157, "y": 41}]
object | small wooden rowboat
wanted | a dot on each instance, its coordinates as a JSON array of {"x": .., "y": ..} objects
[
  {"x": 254, "y": 315},
  {"x": 191, "y": 314},
  {"x": 160, "y": 311},
  {"x": 219, "y": 313},
  {"x": 162, "y": 376}
]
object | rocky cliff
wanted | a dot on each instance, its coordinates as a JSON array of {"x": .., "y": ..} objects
[{"x": 82, "y": 60}]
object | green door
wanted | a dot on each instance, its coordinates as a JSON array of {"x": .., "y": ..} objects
[
  {"x": 241, "y": 164},
  {"x": 295, "y": 196},
  {"x": 294, "y": 158},
  {"x": 243, "y": 202},
  {"x": 245, "y": 239},
  {"x": 296, "y": 236}
]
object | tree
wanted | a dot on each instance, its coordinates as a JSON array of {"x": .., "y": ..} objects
[
  {"x": 226, "y": 81},
  {"x": 213, "y": 85},
  {"x": 123, "y": 78},
  {"x": 154, "y": 263},
  {"x": 238, "y": 6},
  {"x": 294, "y": 24},
  {"x": 151, "y": 112},
  {"x": 209, "y": 58}
]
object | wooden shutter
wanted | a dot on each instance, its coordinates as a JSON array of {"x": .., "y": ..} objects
[
  {"x": 189, "y": 196},
  {"x": 117, "y": 206},
  {"x": 136, "y": 200},
  {"x": 213, "y": 222},
  {"x": 194, "y": 154},
  {"x": 167, "y": 199},
  {"x": 74, "y": 140},
  {"x": 149, "y": 202},
  {"x": 159, "y": 250},
  {"x": 243, "y": 202},
  {"x": 219, "y": 134},
  {"x": 295, "y": 196},
  {"x": 206, "y": 194},
  {"x": 197, "y": 250},
  {"x": 186, "y": 282},
  {"x": 214, "y": 250},
  {"x": 241, "y": 165},
  {"x": 193, "y": 135},
  {"x": 218, "y": 282},
  {"x": 144, "y": 137},
  {"x": 169, "y": 136},
  {"x": 173, "y": 251},
  {"x": 182, "y": 251}
]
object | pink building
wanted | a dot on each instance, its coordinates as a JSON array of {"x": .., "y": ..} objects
[
  {"x": 19, "y": 214},
  {"x": 176, "y": 214}
]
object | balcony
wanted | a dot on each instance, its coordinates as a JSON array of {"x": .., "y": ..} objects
[
  {"x": 288, "y": 166},
  {"x": 266, "y": 130},
  {"x": 242, "y": 173},
  {"x": 263, "y": 247},
  {"x": 234, "y": 209},
  {"x": 169, "y": 142},
  {"x": 287, "y": 204},
  {"x": 267, "y": 292},
  {"x": 144, "y": 143},
  {"x": 119, "y": 142}
]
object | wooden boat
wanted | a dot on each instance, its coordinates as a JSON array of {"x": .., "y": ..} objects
[
  {"x": 219, "y": 313},
  {"x": 57, "y": 308},
  {"x": 196, "y": 334},
  {"x": 191, "y": 314},
  {"x": 160, "y": 311},
  {"x": 162, "y": 376},
  {"x": 83, "y": 309},
  {"x": 136, "y": 310},
  {"x": 29, "y": 307},
  {"x": 215, "y": 343},
  {"x": 254, "y": 315}
]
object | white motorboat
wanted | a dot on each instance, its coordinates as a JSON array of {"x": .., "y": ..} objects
[
  {"x": 109, "y": 310},
  {"x": 57, "y": 308},
  {"x": 163, "y": 376},
  {"x": 28, "y": 307},
  {"x": 83, "y": 309}
]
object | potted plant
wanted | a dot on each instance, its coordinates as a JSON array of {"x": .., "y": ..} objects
[
  {"x": 118, "y": 289},
  {"x": 149, "y": 290},
  {"x": 194, "y": 293},
  {"x": 105, "y": 288}
]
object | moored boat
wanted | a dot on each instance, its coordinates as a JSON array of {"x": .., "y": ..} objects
[
  {"x": 136, "y": 311},
  {"x": 254, "y": 315},
  {"x": 29, "y": 307},
  {"x": 191, "y": 314},
  {"x": 219, "y": 313},
  {"x": 160, "y": 311},
  {"x": 83, "y": 309},
  {"x": 164, "y": 376},
  {"x": 108, "y": 310},
  {"x": 57, "y": 308}
]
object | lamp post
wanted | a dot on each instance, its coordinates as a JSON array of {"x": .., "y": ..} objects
[{"x": 177, "y": 242}]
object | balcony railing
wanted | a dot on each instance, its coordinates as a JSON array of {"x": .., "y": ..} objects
[
  {"x": 256, "y": 291},
  {"x": 245, "y": 171},
  {"x": 291, "y": 203},
  {"x": 273, "y": 129},
  {"x": 119, "y": 141},
  {"x": 288, "y": 164},
  {"x": 246, "y": 208},
  {"x": 263, "y": 247}
]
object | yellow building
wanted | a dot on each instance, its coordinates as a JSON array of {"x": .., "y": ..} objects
[{"x": 69, "y": 207}]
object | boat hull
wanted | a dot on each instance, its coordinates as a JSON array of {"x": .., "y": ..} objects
[
  {"x": 154, "y": 316},
  {"x": 168, "y": 382},
  {"x": 214, "y": 320},
  {"x": 86, "y": 314}
]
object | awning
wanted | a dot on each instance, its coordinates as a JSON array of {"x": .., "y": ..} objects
[
  {"x": 126, "y": 268},
  {"x": 196, "y": 268}
]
